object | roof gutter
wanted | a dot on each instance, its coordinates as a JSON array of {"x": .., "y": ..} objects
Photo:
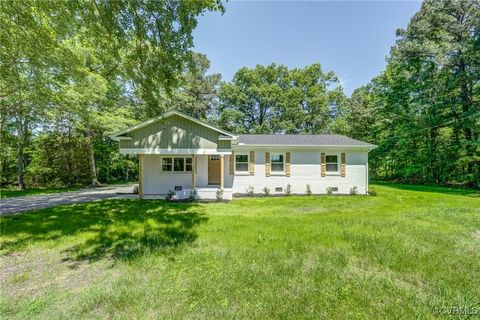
[
  {"x": 118, "y": 138},
  {"x": 307, "y": 146}
]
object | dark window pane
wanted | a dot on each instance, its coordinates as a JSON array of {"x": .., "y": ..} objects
[
  {"x": 241, "y": 166},
  {"x": 241, "y": 158},
  {"x": 188, "y": 167},
  {"x": 333, "y": 167},
  {"x": 178, "y": 164},
  {"x": 166, "y": 164},
  {"x": 188, "y": 160},
  {"x": 331, "y": 159}
]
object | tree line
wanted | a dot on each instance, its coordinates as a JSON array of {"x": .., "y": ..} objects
[{"x": 72, "y": 73}]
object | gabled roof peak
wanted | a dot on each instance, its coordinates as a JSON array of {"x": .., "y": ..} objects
[{"x": 166, "y": 115}]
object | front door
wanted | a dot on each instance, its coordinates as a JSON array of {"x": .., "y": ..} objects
[{"x": 214, "y": 169}]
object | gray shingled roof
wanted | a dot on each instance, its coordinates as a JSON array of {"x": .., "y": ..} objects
[{"x": 300, "y": 140}]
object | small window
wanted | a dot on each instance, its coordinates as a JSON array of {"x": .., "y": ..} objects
[
  {"x": 188, "y": 164},
  {"x": 178, "y": 164},
  {"x": 214, "y": 157},
  {"x": 332, "y": 163},
  {"x": 277, "y": 162},
  {"x": 241, "y": 163},
  {"x": 166, "y": 164}
]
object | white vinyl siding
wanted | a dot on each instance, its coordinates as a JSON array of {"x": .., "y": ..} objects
[
  {"x": 304, "y": 169},
  {"x": 304, "y": 166}
]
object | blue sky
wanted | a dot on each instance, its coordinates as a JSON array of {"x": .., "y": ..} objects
[{"x": 351, "y": 38}]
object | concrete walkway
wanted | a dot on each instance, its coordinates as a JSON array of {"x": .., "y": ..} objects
[{"x": 20, "y": 204}]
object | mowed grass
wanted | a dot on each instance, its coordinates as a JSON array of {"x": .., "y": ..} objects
[
  {"x": 401, "y": 254},
  {"x": 14, "y": 192}
]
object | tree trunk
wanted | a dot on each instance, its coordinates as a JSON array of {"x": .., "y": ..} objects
[
  {"x": 3, "y": 128},
  {"x": 468, "y": 121},
  {"x": 91, "y": 155},
  {"x": 22, "y": 125}
]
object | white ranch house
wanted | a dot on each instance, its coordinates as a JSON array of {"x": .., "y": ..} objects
[{"x": 180, "y": 153}]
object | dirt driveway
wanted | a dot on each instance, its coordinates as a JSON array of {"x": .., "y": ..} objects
[{"x": 20, "y": 204}]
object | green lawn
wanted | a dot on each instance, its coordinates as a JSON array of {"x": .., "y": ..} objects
[
  {"x": 398, "y": 255},
  {"x": 14, "y": 192}
]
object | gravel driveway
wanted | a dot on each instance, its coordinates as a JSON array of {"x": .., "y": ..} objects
[{"x": 19, "y": 204}]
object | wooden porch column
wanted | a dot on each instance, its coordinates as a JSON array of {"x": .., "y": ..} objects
[
  {"x": 194, "y": 165},
  {"x": 222, "y": 171},
  {"x": 140, "y": 176}
]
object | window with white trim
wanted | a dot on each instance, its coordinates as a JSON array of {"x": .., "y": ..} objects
[
  {"x": 167, "y": 164},
  {"x": 177, "y": 164},
  {"x": 241, "y": 162},
  {"x": 188, "y": 164},
  {"x": 277, "y": 161},
  {"x": 331, "y": 162}
]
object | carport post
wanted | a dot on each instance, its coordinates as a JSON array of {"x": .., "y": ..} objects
[
  {"x": 140, "y": 176},
  {"x": 222, "y": 171},
  {"x": 194, "y": 165}
]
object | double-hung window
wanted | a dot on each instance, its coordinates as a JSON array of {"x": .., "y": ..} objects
[
  {"x": 332, "y": 163},
  {"x": 188, "y": 164},
  {"x": 167, "y": 164},
  {"x": 277, "y": 161},
  {"x": 177, "y": 164},
  {"x": 241, "y": 162}
]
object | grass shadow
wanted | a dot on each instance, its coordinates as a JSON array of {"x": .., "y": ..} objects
[
  {"x": 113, "y": 229},
  {"x": 428, "y": 188}
]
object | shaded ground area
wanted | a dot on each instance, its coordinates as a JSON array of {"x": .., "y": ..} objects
[
  {"x": 128, "y": 227},
  {"x": 26, "y": 203}
]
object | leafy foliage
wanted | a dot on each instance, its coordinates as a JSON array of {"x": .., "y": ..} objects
[
  {"x": 424, "y": 110},
  {"x": 81, "y": 69},
  {"x": 308, "y": 190},
  {"x": 72, "y": 73},
  {"x": 266, "y": 191},
  {"x": 275, "y": 99},
  {"x": 219, "y": 194}
]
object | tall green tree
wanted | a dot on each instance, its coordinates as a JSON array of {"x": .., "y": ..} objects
[
  {"x": 54, "y": 52},
  {"x": 275, "y": 99},
  {"x": 428, "y": 98},
  {"x": 196, "y": 94}
]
